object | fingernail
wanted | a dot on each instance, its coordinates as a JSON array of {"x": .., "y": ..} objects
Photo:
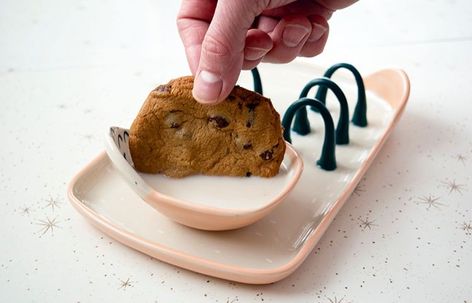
[
  {"x": 317, "y": 32},
  {"x": 254, "y": 53},
  {"x": 207, "y": 87},
  {"x": 293, "y": 34}
]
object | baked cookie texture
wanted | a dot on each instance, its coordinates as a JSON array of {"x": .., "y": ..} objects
[{"x": 175, "y": 135}]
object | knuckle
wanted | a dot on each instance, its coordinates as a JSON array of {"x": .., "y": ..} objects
[{"x": 213, "y": 47}]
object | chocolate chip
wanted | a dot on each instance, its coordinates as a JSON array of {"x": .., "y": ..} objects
[
  {"x": 247, "y": 145},
  {"x": 219, "y": 121},
  {"x": 240, "y": 106},
  {"x": 252, "y": 106},
  {"x": 248, "y": 174},
  {"x": 231, "y": 97},
  {"x": 251, "y": 114},
  {"x": 163, "y": 88},
  {"x": 267, "y": 155},
  {"x": 174, "y": 119}
]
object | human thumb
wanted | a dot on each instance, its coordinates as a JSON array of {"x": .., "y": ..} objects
[{"x": 222, "y": 52}]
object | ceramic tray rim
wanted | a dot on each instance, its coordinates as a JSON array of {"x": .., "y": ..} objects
[{"x": 245, "y": 274}]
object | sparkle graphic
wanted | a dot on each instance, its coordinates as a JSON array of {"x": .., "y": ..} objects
[
  {"x": 335, "y": 300},
  {"x": 360, "y": 188},
  {"x": 461, "y": 158},
  {"x": 25, "y": 210},
  {"x": 126, "y": 283},
  {"x": 467, "y": 227},
  {"x": 452, "y": 186},
  {"x": 48, "y": 225},
  {"x": 366, "y": 223},
  {"x": 430, "y": 201},
  {"x": 233, "y": 300},
  {"x": 52, "y": 203}
]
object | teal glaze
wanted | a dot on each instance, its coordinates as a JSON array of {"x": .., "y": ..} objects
[
  {"x": 359, "y": 117},
  {"x": 257, "y": 80},
  {"x": 302, "y": 125},
  {"x": 327, "y": 159}
]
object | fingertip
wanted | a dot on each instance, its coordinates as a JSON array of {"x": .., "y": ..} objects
[
  {"x": 258, "y": 43},
  {"x": 317, "y": 39},
  {"x": 319, "y": 26},
  {"x": 207, "y": 87},
  {"x": 296, "y": 30},
  {"x": 294, "y": 34},
  {"x": 258, "y": 38},
  {"x": 289, "y": 36}
]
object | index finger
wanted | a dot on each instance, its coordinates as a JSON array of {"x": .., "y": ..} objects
[{"x": 193, "y": 20}]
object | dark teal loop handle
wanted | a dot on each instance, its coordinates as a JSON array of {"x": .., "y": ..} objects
[
  {"x": 257, "y": 80},
  {"x": 302, "y": 124},
  {"x": 327, "y": 159},
  {"x": 359, "y": 117}
]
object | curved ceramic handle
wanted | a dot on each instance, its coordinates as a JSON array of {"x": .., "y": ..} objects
[
  {"x": 359, "y": 117},
  {"x": 257, "y": 80},
  {"x": 302, "y": 125},
  {"x": 327, "y": 159}
]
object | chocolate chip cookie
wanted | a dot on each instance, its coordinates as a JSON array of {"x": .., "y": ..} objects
[{"x": 175, "y": 135}]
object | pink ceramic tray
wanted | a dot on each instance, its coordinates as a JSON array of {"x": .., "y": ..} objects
[{"x": 276, "y": 245}]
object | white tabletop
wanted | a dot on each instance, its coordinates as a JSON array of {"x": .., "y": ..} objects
[{"x": 70, "y": 69}]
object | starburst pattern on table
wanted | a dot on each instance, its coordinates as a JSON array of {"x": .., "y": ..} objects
[
  {"x": 430, "y": 201},
  {"x": 25, "y": 210},
  {"x": 233, "y": 300},
  {"x": 126, "y": 283},
  {"x": 461, "y": 158},
  {"x": 48, "y": 225},
  {"x": 360, "y": 188},
  {"x": 467, "y": 227},
  {"x": 335, "y": 300},
  {"x": 452, "y": 186},
  {"x": 52, "y": 203},
  {"x": 366, "y": 223}
]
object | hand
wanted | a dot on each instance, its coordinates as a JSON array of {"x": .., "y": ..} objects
[{"x": 222, "y": 37}]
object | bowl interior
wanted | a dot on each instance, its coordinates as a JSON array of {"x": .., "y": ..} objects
[{"x": 239, "y": 194}]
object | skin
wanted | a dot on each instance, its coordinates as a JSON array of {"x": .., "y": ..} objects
[{"x": 223, "y": 37}]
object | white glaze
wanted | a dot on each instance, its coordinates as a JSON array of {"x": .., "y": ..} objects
[
  {"x": 239, "y": 194},
  {"x": 270, "y": 242}
]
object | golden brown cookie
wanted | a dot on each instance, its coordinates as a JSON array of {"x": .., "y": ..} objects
[{"x": 175, "y": 135}]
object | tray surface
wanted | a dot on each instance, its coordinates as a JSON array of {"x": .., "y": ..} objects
[{"x": 275, "y": 246}]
